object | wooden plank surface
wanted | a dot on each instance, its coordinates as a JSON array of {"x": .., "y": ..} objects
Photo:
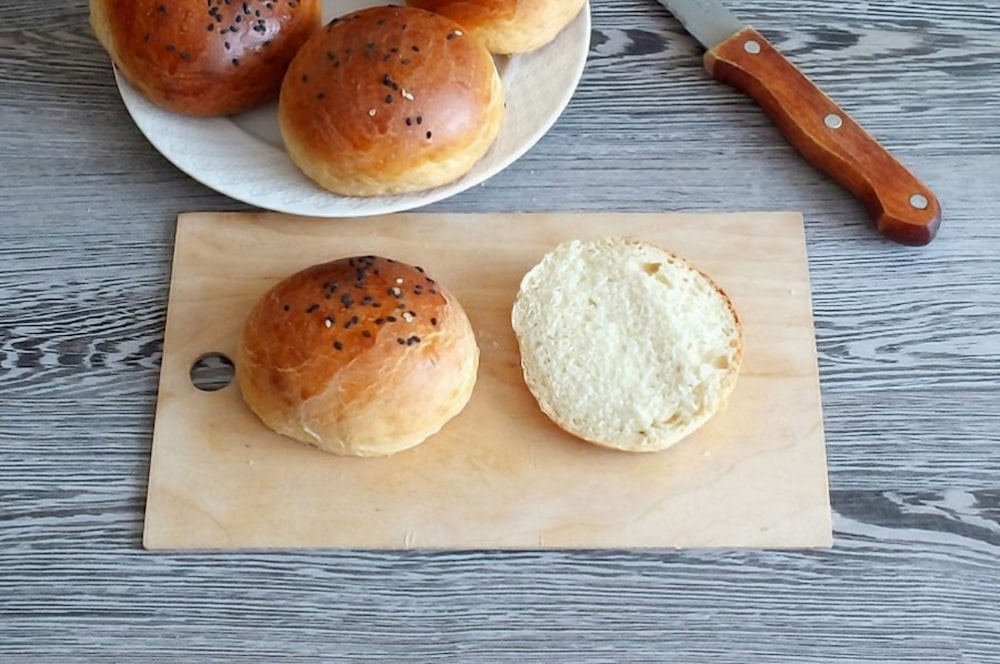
[
  {"x": 909, "y": 354},
  {"x": 500, "y": 475}
]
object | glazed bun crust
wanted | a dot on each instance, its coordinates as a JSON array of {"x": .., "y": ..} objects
[
  {"x": 204, "y": 58},
  {"x": 508, "y": 26},
  {"x": 389, "y": 100},
  {"x": 360, "y": 356}
]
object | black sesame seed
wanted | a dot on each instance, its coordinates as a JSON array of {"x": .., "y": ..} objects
[
  {"x": 388, "y": 99},
  {"x": 412, "y": 313},
  {"x": 409, "y": 122},
  {"x": 211, "y": 27},
  {"x": 390, "y": 319},
  {"x": 430, "y": 281},
  {"x": 415, "y": 48},
  {"x": 381, "y": 21},
  {"x": 163, "y": 9},
  {"x": 236, "y": 61},
  {"x": 367, "y": 299},
  {"x": 227, "y": 45},
  {"x": 305, "y": 78},
  {"x": 434, "y": 322},
  {"x": 321, "y": 95},
  {"x": 380, "y": 321},
  {"x": 347, "y": 300},
  {"x": 413, "y": 340},
  {"x": 451, "y": 35},
  {"x": 367, "y": 334},
  {"x": 417, "y": 267},
  {"x": 405, "y": 61},
  {"x": 429, "y": 134},
  {"x": 312, "y": 308},
  {"x": 401, "y": 341},
  {"x": 287, "y": 308},
  {"x": 171, "y": 48},
  {"x": 338, "y": 345},
  {"x": 185, "y": 55},
  {"x": 420, "y": 120}
]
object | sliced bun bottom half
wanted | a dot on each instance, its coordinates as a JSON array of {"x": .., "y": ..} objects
[{"x": 624, "y": 344}]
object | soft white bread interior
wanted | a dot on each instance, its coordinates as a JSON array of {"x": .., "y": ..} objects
[
  {"x": 362, "y": 356},
  {"x": 626, "y": 345}
]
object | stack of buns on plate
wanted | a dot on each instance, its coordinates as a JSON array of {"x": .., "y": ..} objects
[{"x": 381, "y": 101}]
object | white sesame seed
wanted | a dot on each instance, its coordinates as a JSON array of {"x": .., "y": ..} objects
[
  {"x": 372, "y": 112},
  {"x": 407, "y": 95},
  {"x": 399, "y": 280},
  {"x": 408, "y": 317},
  {"x": 458, "y": 33},
  {"x": 329, "y": 323},
  {"x": 395, "y": 291}
]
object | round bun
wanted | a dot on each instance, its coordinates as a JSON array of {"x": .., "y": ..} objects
[
  {"x": 360, "y": 356},
  {"x": 626, "y": 345},
  {"x": 508, "y": 26},
  {"x": 204, "y": 57},
  {"x": 389, "y": 100}
]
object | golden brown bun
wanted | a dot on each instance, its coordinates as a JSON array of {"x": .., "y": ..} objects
[
  {"x": 361, "y": 356},
  {"x": 204, "y": 57},
  {"x": 389, "y": 100},
  {"x": 508, "y": 26}
]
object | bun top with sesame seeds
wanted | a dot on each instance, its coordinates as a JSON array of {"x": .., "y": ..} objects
[
  {"x": 388, "y": 100},
  {"x": 508, "y": 26},
  {"x": 361, "y": 356},
  {"x": 204, "y": 58}
]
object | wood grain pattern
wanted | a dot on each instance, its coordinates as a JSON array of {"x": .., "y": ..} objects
[
  {"x": 500, "y": 475},
  {"x": 903, "y": 208},
  {"x": 909, "y": 351}
]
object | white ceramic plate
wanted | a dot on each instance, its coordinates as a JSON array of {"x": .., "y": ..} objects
[{"x": 243, "y": 156}]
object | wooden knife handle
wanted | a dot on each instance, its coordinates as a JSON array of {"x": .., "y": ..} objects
[{"x": 903, "y": 208}]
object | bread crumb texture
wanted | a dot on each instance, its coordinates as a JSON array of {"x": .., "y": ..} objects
[{"x": 626, "y": 345}]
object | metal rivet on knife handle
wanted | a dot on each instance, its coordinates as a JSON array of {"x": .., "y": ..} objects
[
  {"x": 833, "y": 121},
  {"x": 919, "y": 201},
  {"x": 752, "y": 47}
]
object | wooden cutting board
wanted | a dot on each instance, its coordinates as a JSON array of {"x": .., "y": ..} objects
[{"x": 500, "y": 475}]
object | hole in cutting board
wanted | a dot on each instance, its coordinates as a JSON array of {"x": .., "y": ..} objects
[{"x": 212, "y": 372}]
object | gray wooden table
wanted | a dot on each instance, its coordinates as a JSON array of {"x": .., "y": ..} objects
[{"x": 909, "y": 343}]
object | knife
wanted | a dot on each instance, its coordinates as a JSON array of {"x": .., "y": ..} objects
[{"x": 903, "y": 208}]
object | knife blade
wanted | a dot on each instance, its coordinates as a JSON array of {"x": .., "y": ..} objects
[{"x": 903, "y": 208}]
